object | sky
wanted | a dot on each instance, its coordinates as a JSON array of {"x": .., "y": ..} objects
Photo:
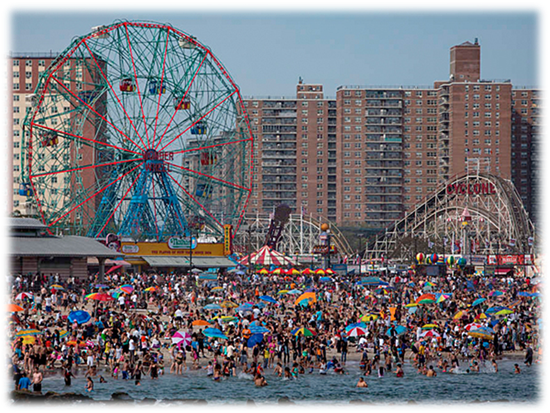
[{"x": 267, "y": 51}]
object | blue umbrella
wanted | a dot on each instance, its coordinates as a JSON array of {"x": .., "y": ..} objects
[
  {"x": 243, "y": 308},
  {"x": 411, "y": 284},
  {"x": 212, "y": 307},
  {"x": 398, "y": 330},
  {"x": 260, "y": 305},
  {"x": 478, "y": 301},
  {"x": 214, "y": 332},
  {"x": 495, "y": 309},
  {"x": 258, "y": 330},
  {"x": 268, "y": 299},
  {"x": 325, "y": 279},
  {"x": 371, "y": 281},
  {"x": 79, "y": 316},
  {"x": 295, "y": 291},
  {"x": 254, "y": 339}
]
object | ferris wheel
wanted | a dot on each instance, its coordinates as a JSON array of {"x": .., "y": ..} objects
[{"x": 137, "y": 129}]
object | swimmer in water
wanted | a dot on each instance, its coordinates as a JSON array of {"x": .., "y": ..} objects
[
  {"x": 431, "y": 372},
  {"x": 260, "y": 381},
  {"x": 399, "y": 371},
  {"x": 495, "y": 365},
  {"x": 288, "y": 375},
  {"x": 516, "y": 369},
  {"x": 362, "y": 383}
]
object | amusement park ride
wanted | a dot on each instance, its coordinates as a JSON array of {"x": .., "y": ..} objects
[{"x": 137, "y": 129}]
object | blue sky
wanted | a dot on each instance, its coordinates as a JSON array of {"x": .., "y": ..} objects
[{"x": 266, "y": 52}]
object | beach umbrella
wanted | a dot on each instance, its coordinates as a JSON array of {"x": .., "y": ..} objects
[
  {"x": 260, "y": 305},
  {"x": 228, "y": 304},
  {"x": 267, "y": 299},
  {"x": 258, "y": 330},
  {"x": 369, "y": 317},
  {"x": 399, "y": 330},
  {"x": 228, "y": 318},
  {"x": 429, "y": 326},
  {"x": 127, "y": 288},
  {"x": 295, "y": 291},
  {"x": 277, "y": 271},
  {"x": 330, "y": 271},
  {"x": 482, "y": 332},
  {"x": 57, "y": 287},
  {"x": 354, "y": 325},
  {"x": 481, "y": 316},
  {"x": 181, "y": 338},
  {"x": 426, "y": 299},
  {"x": 75, "y": 343},
  {"x": 212, "y": 307},
  {"x": 504, "y": 311},
  {"x": 371, "y": 281},
  {"x": 496, "y": 309},
  {"x": 22, "y": 296},
  {"x": 320, "y": 271},
  {"x": 26, "y": 339},
  {"x": 356, "y": 331},
  {"x": 459, "y": 315},
  {"x": 478, "y": 301},
  {"x": 411, "y": 305},
  {"x": 495, "y": 293},
  {"x": 381, "y": 291},
  {"x": 293, "y": 271},
  {"x": 442, "y": 297},
  {"x": 151, "y": 289},
  {"x": 254, "y": 339},
  {"x": 242, "y": 308},
  {"x": 306, "y": 332},
  {"x": 472, "y": 326},
  {"x": 28, "y": 332},
  {"x": 197, "y": 271},
  {"x": 13, "y": 308},
  {"x": 63, "y": 333},
  {"x": 309, "y": 296},
  {"x": 325, "y": 279},
  {"x": 200, "y": 323},
  {"x": 214, "y": 332},
  {"x": 430, "y": 333},
  {"x": 307, "y": 271},
  {"x": 99, "y": 297},
  {"x": 411, "y": 284},
  {"x": 217, "y": 288},
  {"x": 79, "y": 316},
  {"x": 283, "y": 292}
]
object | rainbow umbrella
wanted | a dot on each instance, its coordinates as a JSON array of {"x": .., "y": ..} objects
[
  {"x": 411, "y": 305},
  {"x": 429, "y": 326},
  {"x": 151, "y": 289},
  {"x": 426, "y": 299},
  {"x": 63, "y": 333},
  {"x": 99, "y": 297},
  {"x": 306, "y": 332},
  {"x": 127, "y": 288},
  {"x": 442, "y": 297},
  {"x": 57, "y": 287},
  {"x": 355, "y": 325},
  {"x": 28, "y": 332}
]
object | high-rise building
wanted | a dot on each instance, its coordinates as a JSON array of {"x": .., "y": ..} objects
[
  {"x": 295, "y": 156},
  {"x": 56, "y": 152}
]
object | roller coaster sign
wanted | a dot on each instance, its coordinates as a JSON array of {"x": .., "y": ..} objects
[{"x": 478, "y": 188}]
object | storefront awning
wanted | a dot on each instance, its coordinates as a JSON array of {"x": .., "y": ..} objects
[{"x": 199, "y": 262}]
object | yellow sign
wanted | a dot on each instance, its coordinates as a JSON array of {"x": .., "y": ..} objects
[
  {"x": 163, "y": 249},
  {"x": 227, "y": 239}
]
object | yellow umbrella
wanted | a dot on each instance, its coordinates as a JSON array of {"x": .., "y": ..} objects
[
  {"x": 228, "y": 304},
  {"x": 369, "y": 317},
  {"x": 217, "y": 288},
  {"x": 263, "y": 271},
  {"x": 429, "y": 326},
  {"x": 26, "y": 339},
  {"x": 459, "y": 315},
  {"x": 411, "y": 305}
]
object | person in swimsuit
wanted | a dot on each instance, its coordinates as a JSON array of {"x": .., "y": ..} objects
[
  {"x": 362, "y": 383},
  {"x": 399, "y": 371}
]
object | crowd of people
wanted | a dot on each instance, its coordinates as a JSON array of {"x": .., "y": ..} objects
[{"x": 262, "y": 325}]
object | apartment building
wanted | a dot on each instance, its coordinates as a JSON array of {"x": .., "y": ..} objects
[
  {"x": 73, "y": 81},
  {"x": 294, "y": 152}
]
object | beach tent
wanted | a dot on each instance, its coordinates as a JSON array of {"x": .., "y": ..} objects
[{"x": 267, "y": 256}]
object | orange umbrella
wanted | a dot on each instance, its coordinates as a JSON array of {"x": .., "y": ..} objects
[
  {"x": 13, "y": 308},
  {"x": 309, "y": 296},
  {"x": 200, "y": 323}
]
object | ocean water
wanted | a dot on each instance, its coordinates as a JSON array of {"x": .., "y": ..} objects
[{"x": 486, "y": 386}]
